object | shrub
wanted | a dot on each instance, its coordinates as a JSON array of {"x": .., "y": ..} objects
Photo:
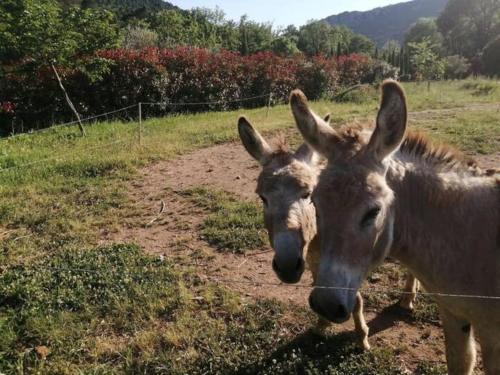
[
  {"x": 318, "y": 77},
  {"x": 180, "y": 75},
  {"x": 353, "y": 69}
]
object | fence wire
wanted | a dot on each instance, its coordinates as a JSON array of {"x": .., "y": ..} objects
[
  {"x": 216, "y": 280},
  {"x": 224, "y": 281}
]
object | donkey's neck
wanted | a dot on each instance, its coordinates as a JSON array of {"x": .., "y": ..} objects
[{"x": 446, "y": 225}]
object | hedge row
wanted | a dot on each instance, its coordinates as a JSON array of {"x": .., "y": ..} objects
[{"x": 183, "y": 75}]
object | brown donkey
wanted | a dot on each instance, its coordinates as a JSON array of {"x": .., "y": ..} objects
[
  {"x": 388, "y": 193},
  {"x": 285, "y": 186}
]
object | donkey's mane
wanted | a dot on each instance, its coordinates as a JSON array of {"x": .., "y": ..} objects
[{"x": 438, "y": 155}]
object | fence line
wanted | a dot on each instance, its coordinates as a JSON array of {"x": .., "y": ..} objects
[
  {"x": 208, "y": 103},
  {"x": 383, "y": 291},
  {"x": 57, "y": 126},
  {"x": 57, "y": 157},
  {"x": 137, "y": 105}
]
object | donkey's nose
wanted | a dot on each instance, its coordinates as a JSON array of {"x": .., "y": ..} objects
[
  {"x": 289, "y": 273},
  {"x": 328, "y": 307},
  {"x": 341, "y": 314}
]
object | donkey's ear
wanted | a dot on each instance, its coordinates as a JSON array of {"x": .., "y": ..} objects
[
  {"x": 256, "y": 146},
  {"x": 304, "y": 153},
  {"x": 316, "y": 132},
  {"x": 391, "y": 121}
]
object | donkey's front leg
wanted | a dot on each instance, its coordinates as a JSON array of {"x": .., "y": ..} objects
[
  {"x": 360, "y": 325},
  {"x": 460, "y": 344},
  {"x": 410, "y": 292},
  {"x": 488, "y": 335}
]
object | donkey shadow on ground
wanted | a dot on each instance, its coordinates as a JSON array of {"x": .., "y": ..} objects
[{"x": 324, "y": 352}]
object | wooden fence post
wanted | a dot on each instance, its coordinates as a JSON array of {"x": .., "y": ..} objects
[
  {"x": 269, "y": 103},
  {"x": 68, "y": 100},
  {"x": 140, "y": 124}
]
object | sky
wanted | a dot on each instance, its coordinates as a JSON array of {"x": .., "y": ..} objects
[{"x": 284, "y": 12}]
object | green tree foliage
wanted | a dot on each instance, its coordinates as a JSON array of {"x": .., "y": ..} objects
[
  {"x": 425, "y": 28},
  {"x": 468, "y": 25},
  {"x": 318, "y": 37},
  {"x": 199, "y": 27},
  {"x": 254, "y": 36},
  {"x": 491, "y": 58},
  {"x": 426, "y": 64},
  {"x": 361, "y": 44},
  {"x": 137, "y": 37},
  {"x": 42, "y": 32},
  {"x": 284, "y": 46},
  {"x": 456, "y": 67}
]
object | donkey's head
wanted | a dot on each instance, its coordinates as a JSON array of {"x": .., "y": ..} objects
[
  {"x": 353, "y": 201},
  {"x": 285, "y": 185}
]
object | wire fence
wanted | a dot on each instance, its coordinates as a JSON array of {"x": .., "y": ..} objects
[
  {"x": 140, "y": 129},
  {"x": 132, "y": 270},
  {"x": 138, "y": 114}
]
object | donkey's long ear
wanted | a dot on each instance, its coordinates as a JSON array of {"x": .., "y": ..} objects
[
  {"x": 391, "y": 121},
  {"x": 256, "y": 146},
  {"x": 305, "y": 153},
  {"x": 316, "y": 132}
]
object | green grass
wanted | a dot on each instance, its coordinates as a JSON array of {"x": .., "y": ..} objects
[
  {"x": 115, "y": 310},
  {"x": 163, "y": 319},
  {"x": 232, "y": 224}
]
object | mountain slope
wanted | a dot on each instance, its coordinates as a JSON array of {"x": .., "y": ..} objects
[{"x": 390, "y": 22}]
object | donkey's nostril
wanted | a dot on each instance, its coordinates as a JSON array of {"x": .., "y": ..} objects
[
  {"x": 275, "y": 265},
  {"x": 312, "y": 305},
  {"x": 341, "y": 312},
  {"x": 299, "y": 264}
]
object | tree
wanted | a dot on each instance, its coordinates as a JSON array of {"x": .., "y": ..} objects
[
  {"x": 425, "y": 62},
  {"x": 361, "y": 44},
  {"x": 254, "y": 36},
  {"x": 138, "y": 37},
  {"x": 425, "y": 28},
  {"x": 41, "y": 32},
  {"x": 469, "y": 25},
  {"x": 456, "y": 67},
  {"x": 491, "y": 58},
  {"x": 284, "y": 46}
]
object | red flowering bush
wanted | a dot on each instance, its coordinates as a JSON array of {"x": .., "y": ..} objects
[
  {"x": 7, "y": 107},
  {"x": 181, "y": 75},
  {"x": 353, "y": 69},
  {"x": 319, "y": 77}
]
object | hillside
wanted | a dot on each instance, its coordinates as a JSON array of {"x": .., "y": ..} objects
[{"x": 390, "y": 22}]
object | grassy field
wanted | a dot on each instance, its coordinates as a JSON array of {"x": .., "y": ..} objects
[{"x": 70, "y": 306}]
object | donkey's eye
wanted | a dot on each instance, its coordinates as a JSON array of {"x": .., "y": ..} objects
[
  {"x": 306, "y": 195},
  {"x": 370, "y": 217},
  {"x": 263, "y": 199}
]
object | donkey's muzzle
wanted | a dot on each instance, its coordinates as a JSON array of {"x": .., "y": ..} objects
[
  {"x": 329, "y": 308},
  {"x": 289, "y": 274},
  {"x": 288, "y": 262}
]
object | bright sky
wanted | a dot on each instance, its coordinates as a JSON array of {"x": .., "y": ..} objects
[{"x": 284, "y": 12}]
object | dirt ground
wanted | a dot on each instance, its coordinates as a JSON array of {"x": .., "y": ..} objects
[{"x": 174, "y": 234}]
